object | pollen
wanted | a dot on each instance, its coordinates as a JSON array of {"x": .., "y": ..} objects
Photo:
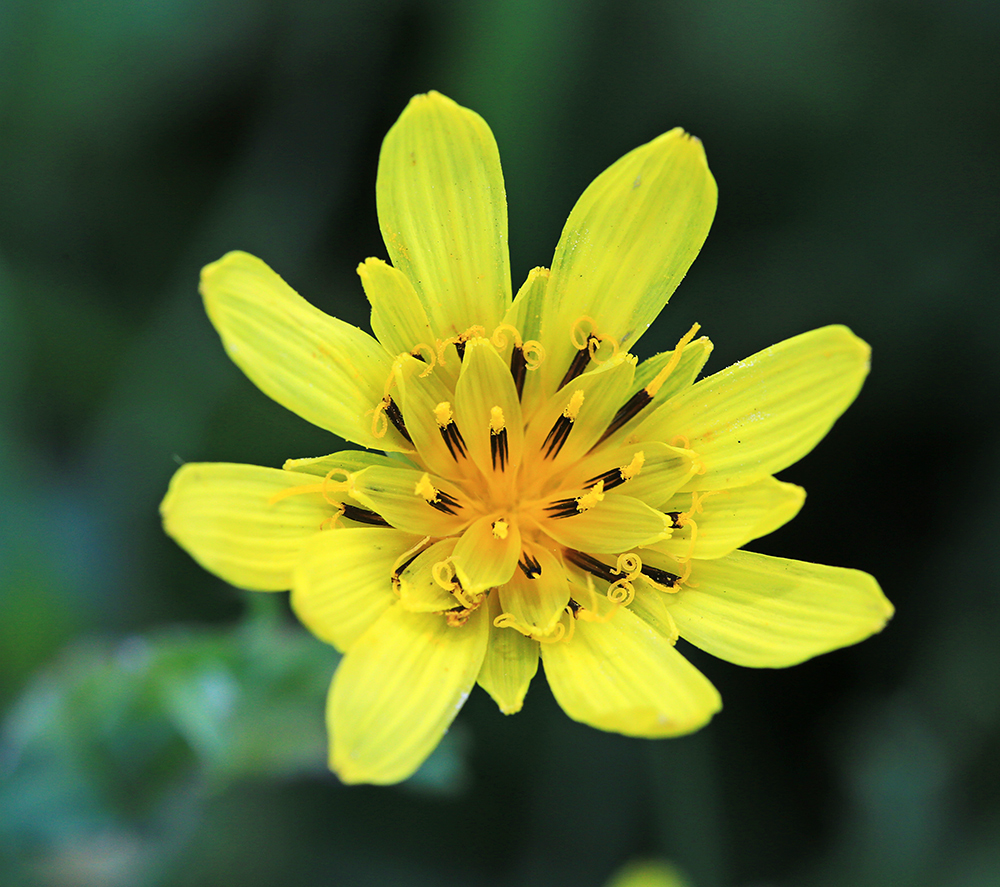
[
  {"x": 443, "y": 413},
  {"x": 500, "y": 529},
  {"x": 589, "y": 499}
]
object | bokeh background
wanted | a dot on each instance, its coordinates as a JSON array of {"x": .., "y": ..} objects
[{"x": 162, "y": 728}]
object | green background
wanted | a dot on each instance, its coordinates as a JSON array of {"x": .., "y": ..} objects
[{"x": 162, "y": 728}]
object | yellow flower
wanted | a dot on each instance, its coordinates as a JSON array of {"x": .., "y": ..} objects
[{"x": 542, "y": 494}]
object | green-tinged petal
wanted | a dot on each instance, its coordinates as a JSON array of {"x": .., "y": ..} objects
[
  {"x": 718, "y": 522},
  {"x": 613, "y": 524},
  {"x": 398, "y": 317},
  {"x": 346, "y": 460},
  {"x": 650, "y": 605},
  {"x": 398, "y": 689},
  {"x": 224, "y": 517},
  {"x": 625, "y": 676},
  {"x": 534, "y": 605},
  {"x": 766, "y": 412},
  {"x": 648, "y": 470},
  {"x": 421, "y": 587},
  {"x": 484, "y": 387},
  {"x": 342, "y": 582},
  {"x": 411, "y": 500},
  {"x": 627, "y": 243},
  {"x": 487, "y": 553},
  {"x": 510, "y": 664},
  {"x": 327, "y": 371},
  {"x": 769, "y": 612},
  {"x": 443, "y": 213}
]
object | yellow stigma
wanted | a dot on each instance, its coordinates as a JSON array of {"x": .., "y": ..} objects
[
  {"x": 497, "y": 423},
  {"x": 594, "y": 495},
  {"x": 634, "y": 467},
  {"x": 426, "y": 489},
  {"x": 573, "y": 407},
  {"x": 443, "y": 413}
]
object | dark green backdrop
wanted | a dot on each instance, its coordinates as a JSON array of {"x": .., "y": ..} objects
[{"x": 161, "y": 728}]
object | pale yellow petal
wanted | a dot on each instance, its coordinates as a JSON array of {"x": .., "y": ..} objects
[
  {"x": 443, "y": 213},
  {"x": 718, "y": 522},
  {"x": 627, "y": 243},
  {"x": 614, "y": 524},
  {"x": 534, "y": 605},
  {"x": 510, "y": 664},
  {"x": 329, "y": 372},
  {"x": 486, "y": 555},
  {"x": 398, "y": 689},
  {"x": 766, "y": 412},
  {"x": 763, "y": 611},
  {"x": 223, "y": 516},
  {"x": 342, "y": 582},
  {"x": 626, "y": 677}
]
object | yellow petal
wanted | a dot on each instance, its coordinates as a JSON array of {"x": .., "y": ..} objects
[
  {"x": 398, "y": 689},
  {"x": 626, "y": 677},
  {"x": 221, "y": 514},
  {"x": 615, "y": 524},
  {"x": 763, "y": 611},
  {"x": 398, "y": 317},
  {"x": 327, "y": 371},
  {"x": 484, "y": 387},
  {"x": 510, "y": 664},
  {"x": 591, "y": 400},
  {"x": 342, "y": 582},
  {"x": 627, "y": 243},
  {"x": 649, "y": 470},
  {"x": 404, "y": 497},
  {"x": 486, "y": 555},
  {"x": 443, "y": 213},
  {"x": 721, "y": 521},
  {"x": 535, "y": 605},
  {"x": 766, "y": 412}
]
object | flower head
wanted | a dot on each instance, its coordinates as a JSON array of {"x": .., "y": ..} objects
[{"x": 542, "y": 495}]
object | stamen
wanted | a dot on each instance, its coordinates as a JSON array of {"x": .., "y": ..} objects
[
  {"x": 529, "y": 565},
  {"x": 518, "y": 368},
  {"x": 499, "y": 447},
  {"x": 580, "y": 360},
  {"x": 438, "y": 499},
  {"x": 617, "y": 476},
  {"x": 445, "y": 417},
  {"x": 363, "y": 516},
  {"x": 568, "y": 507},
  {"x": 591, "y": 565},
  {"x": 396, "y": 417},
  {"x": 563, "y": 425},
  {"x": 644, "y": 396}
]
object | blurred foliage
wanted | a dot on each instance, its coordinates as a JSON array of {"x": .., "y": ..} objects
[{"x": 155, "y": 733}]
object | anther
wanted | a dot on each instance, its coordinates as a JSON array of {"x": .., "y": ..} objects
[
  {"x": 445, "y": 417},
  {"x": 591, "y": 565},
  {"x": 529, "y": 565},
  {"x": 499, "y": 447},
  {"x": 363, "y": 516},
  {"x": 396, "y": 417},
  {"x": 660, "y": 577},
  {"x": 580, "y": 360},
  {"x": 568, "y": 507},
  {"x": 518, "y": 368},
  {"x": 561, "y": 428}
]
